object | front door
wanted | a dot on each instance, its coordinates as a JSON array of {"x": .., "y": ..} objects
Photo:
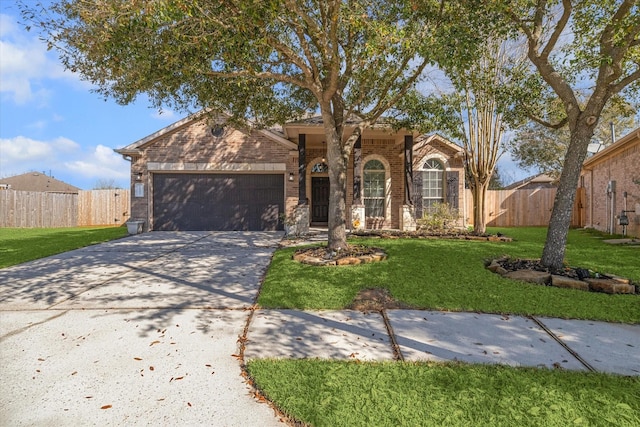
[{"x": 320, "y": 199}]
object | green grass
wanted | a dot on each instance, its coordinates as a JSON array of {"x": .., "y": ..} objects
[
  {"x": 18, "y": 245},
  {"x": 450, "y": 275},
  {"x": 330, "y": 393}
]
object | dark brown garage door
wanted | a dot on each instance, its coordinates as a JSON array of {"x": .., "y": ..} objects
[{"x": 217, "y": 202}]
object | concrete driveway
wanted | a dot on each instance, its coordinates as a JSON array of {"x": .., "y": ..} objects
[{"x": 137, "y": 331}]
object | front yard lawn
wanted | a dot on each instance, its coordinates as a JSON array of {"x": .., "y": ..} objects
[
  {"x": 331, "y": 393},
  {"x": 18, "y": 245},
  {"x": 450, "y": 275}
]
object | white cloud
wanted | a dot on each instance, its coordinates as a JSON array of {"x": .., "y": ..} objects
[
  {"x": 22, "y": 149},
  {"x": 65, "y": 158},
  {"x": 103, "y": 162},
  {"x": 25, "y": 63}
]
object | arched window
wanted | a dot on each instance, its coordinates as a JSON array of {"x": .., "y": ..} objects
[
  {"x": 432, "y": 184},
  {"x": 320, "y": 167},
  {"x": 374, "y": 183}
]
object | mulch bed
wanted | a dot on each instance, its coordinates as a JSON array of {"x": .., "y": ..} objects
[
  {"x": 376, "y": 299},
  {"x": 428, "y": 234},
  {"x": 577, "y": 273}
]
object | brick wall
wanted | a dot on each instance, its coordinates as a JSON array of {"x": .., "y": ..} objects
[
  {"x": 619, "y": 163},
  {"x": 192, "y": 147}
]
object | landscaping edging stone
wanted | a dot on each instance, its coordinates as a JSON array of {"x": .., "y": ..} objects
[
  {"x": 609, "y": 283},
  {"x": 376, "y": 256}
]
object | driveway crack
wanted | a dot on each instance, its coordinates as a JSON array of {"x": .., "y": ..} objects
[{"x": 25, "y": 328}]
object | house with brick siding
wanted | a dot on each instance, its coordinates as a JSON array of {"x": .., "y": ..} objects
[
  {"x": 610, "y": 187},
  {"x": 201, "y": 173}
]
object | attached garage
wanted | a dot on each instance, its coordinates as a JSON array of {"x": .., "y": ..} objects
[{"x": 217, "y": 201}]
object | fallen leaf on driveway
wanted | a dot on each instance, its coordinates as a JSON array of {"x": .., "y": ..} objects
[
  {"x": 106, "y": 407},
  {"x": 155, "y": 342},
  {"x": 137, "y": 358}
]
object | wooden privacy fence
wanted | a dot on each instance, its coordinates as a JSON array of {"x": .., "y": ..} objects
[
  {"x": 27, "y": 209},
  {"x": 103, "y": 207},
  {"x": 518, "y": 208}
]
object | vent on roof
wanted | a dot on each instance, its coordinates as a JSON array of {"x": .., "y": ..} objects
[{"x": 217, "y": 131}]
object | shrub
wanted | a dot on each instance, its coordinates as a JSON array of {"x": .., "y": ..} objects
[{"x": 441, "y": 217}]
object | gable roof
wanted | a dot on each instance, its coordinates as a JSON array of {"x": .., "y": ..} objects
[
  {"x": 40, "y": 182},
  {"x": 613, "y": 149},
  {"x": 424, "y": 140},
  {"x": 134, "y": 148}
]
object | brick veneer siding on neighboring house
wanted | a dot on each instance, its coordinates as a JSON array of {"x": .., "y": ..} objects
[{"x": 620, "y": 162}]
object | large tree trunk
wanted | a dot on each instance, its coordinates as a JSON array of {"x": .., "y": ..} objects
[
  {"x": 555, "y": 245},
  {"x": 337, "y": 161},
  {"x": 479, "y": 194}
]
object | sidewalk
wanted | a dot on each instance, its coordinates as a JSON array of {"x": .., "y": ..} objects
[
  {"x": 421, "y": 335},
  {"x": 416, "y": 335}
]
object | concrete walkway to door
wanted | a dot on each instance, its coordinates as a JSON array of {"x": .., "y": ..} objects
[{"x": 138, "y": 331}]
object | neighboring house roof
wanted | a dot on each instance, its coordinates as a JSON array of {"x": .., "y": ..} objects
[
  {"x": 623, "y": 143},
  {"x": 40, "y": 182},
  {"x": 540, "y": 180}
]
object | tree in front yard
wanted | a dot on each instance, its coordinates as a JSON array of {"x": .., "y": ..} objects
[
  {"x": 265, "y": 60},
  {"x": 576, "y": 44},
  {"x": 478, "y": 109},
  {"x": 542, "y": 148}
]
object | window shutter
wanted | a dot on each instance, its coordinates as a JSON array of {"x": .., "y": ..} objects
[
  {"x": 417, "y": 193},
  {"x": 452, "y": 189}
]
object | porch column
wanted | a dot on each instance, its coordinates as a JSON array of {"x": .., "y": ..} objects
[
  {"x": 358, "y": 220},
  {"x": 408, "y": 169},
  {"x": 302, "y": 169},
  {"x": 301, "y": 211},
  {"x": 357, "y": 172},
  {"x": 407, "y": 210}
]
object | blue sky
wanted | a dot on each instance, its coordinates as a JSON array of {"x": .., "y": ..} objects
[{"x": 51, "y": 122}]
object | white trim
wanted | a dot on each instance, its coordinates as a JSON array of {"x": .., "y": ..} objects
[
  {"x": 216, "y": 167},
  {"x": 445, "y": 164},
  {"x": 387, "y": 176},
  {"x": 439, "y": 157}
]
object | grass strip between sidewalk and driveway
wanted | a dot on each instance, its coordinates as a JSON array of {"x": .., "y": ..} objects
[
  {"x": 441, "y": 274},
  {"x": 18, "y": 245},
  {"x": 331, "y": 393}
]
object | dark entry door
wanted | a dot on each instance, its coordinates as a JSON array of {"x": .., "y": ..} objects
[{"x": 320, "y": 199}]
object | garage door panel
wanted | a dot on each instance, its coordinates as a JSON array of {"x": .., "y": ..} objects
[{"x": 217, "y": 201}]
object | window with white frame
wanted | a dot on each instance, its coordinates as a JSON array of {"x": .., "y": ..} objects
[
  {"x": 432, "y": 184},
  {"x": 374, "y": 184}
]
